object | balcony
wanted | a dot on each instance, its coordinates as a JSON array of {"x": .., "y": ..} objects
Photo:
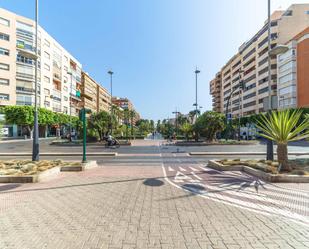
[
  {"x": 20, "y": 89},
  {"x": 56, "y": 95}
]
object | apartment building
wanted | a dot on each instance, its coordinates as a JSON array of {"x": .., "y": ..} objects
[
  {"x": 89, "y": 93},
  {"x": 103, "y": 99},
  {"x": 215, "y": 91},
  {"x": 249, "y": 66},
  {"x": 293, "y": 74},
  {"x": 126, "y": 104},
  {"x": 59, "y": 73}
]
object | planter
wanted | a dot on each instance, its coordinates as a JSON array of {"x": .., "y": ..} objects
[
  {"x": 47, "y": 174},
  {"x": 260, "y": 174}
]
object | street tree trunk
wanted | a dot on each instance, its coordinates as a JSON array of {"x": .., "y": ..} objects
[{"x": 282, "y": 153}]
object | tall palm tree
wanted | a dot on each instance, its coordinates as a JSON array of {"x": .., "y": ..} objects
[{"x": 283, "y": 127}]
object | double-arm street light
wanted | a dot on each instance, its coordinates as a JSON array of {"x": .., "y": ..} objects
[
  {"x": 36, "y": 146},
  {"x": 196, "y": 104},
  {"x": 110, "y": 72},
  {"x": 176, "y": 121}
]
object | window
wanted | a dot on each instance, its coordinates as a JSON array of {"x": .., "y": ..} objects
[
  {"x": 46, "y": 79},
  {"x": 46, "y": 67},
  {"x": 263, "y": 90},
  {"x": 65, "y": 98},
  {"x": 4, "y": 51},
  {"x": 4, "y": 96},
  {"x": 46, "y": 91},
  {"x": 65, "y": 88},
  {"x": 4, "y": 22},
  {"x": 46, "y": 103},
  {"x": 250, "y": 95},
  {"x": 5, "y": 82},
  {"x": 286, "y": 78},
  {"x": 65, "y": 68},
  {"x": 250, "y": 104},
  {"x": 46, "y": 43},
  {"x": 4, "y": 37},
  {"x": 4, "y": 66},
  {"x": 65, "y": 110},
  {"x": 25, "y": 60},
  {"x": 288, "y": 13},
  {"x": 46, "y": 55},
  {"x": 65, "y": 79},
  {"x": 287, "y": 90}
]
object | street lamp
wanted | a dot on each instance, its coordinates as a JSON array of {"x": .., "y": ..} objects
[
  {"x": 196, "y": 104},
  {"x": 270, "y": 147},
  {"x": 71, "y": 86},
  {"x": 36, "y": 146},
  {"x": 176, "y": 121},
  {"x": 111, "y": 83}
]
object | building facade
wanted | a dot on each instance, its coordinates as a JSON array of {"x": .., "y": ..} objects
[
  {"x": 89, "y": 93},
  {"x": 59, "y": 73},
  {"x": 126, "y": 104},
  {"x": 293, "y": 74},
  {"x": 103, "y": 99},
  {"x": 249, "y": 66}
]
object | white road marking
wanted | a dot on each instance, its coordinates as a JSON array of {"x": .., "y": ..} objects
[
  {"x": 182, "y": 169},
  {"x": 170, "y": 169},
  {"x": 261, "y": 209},
  {"x": 193, "y": 169},
  {"x": 196, "y": 176}
]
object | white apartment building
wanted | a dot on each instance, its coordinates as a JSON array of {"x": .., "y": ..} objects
[
  {"x": 59, "y": 74},
  {"x": 250, "y": 65}
]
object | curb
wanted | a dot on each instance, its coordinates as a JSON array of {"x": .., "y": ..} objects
[
  {"x": 48, "y": 174},
  {"x": 260, "y": 174},
  {"x": 60, "y": 154},
  {"x": 242, "y": 153}
]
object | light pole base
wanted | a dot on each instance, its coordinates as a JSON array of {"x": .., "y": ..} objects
[{"x": 270, "y": 150}]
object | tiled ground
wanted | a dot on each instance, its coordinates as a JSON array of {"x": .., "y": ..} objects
[{"x": 113, "y": 207}]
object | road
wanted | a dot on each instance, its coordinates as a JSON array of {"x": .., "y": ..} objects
[{"x": 151, "y": 197}]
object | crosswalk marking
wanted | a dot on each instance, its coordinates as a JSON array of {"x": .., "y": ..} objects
[
  {"x": 170, "y": 169},
  {"x": 182, "y": 169},
  {"x": 193, "y": 169},
  {"x": 196, "y": 176}
]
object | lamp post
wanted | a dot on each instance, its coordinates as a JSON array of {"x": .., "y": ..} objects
[
  {"x": 71, "y": 86},
  {"x": 195, "y": 104},
  {"x": 36, "y": 146},
  {"x": 270, "y": 147},
  {"x": 111, "y": 83},
  {"x": 176, "y": 121}
]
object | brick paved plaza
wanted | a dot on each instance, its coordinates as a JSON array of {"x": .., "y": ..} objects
[{"x": 128, "y": 203}]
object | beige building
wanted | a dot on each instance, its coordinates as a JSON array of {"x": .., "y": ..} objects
[
  {"x": 89, "y": 93},
  {"x": 126, "y": 104},
  {"x": 59, "y": 73},
  {"x": 250, "y": 65},
  {"x": 215, "y": 91},
  {"x": 103, "y": 99}
]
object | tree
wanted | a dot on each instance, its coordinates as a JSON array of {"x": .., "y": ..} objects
[
  {"x": 283, "y": 127},
  {"x": 209, "y": 124},
  {"x": 20, "y": 115},
  {"x": 186, "y": 128},
  {"x": 100, "y": 123}
]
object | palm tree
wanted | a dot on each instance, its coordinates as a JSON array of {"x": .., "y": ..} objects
[
  {"x": 186, "y": 128},
  {"x": 283, "y": 127}
]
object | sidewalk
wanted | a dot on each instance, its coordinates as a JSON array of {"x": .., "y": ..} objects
[
  {"x": 14, "y": 140},
  {"x": 131, "y": 207}
]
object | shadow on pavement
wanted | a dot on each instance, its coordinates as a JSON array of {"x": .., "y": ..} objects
[{"x": 152, "y": 182}]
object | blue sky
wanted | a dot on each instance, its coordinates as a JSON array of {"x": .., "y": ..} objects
[{"x": 153, "y": 46}]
